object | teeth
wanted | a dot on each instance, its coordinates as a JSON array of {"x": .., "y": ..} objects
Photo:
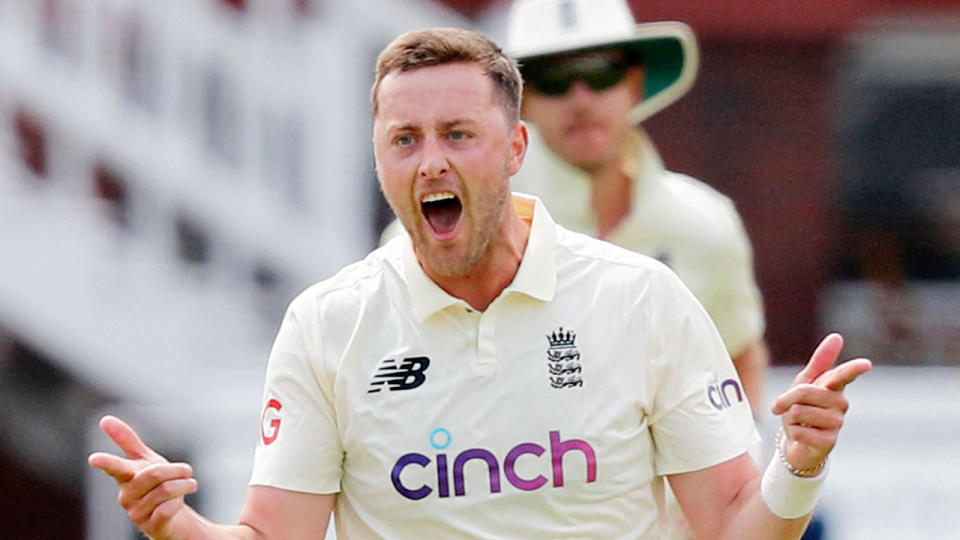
[{"x": 441, "y": 196}]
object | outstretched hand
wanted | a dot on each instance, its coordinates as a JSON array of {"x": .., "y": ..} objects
[
  {"x": 151, "y": 488},
  {"x": 812, "y": 410}
]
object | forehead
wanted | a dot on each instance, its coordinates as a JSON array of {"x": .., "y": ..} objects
[{"x": 435, "y": 93}]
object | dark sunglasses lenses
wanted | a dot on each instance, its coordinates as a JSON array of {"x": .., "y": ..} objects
[{"x": 555, "y": 80}]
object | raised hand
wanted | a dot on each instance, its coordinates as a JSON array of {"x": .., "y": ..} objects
[
  {"x": 151, "y": 488},
  {"x": 813, "y": 408}
]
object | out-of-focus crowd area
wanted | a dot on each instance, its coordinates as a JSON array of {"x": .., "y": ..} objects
[{"x": 173, "y": 172}]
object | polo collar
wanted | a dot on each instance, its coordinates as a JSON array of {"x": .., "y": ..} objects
[
  {"x": 536, "y": 277},
  {"x": 569, "y": 187}
]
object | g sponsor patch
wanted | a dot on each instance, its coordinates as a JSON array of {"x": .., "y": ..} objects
[{"x": 270, "y": 421}]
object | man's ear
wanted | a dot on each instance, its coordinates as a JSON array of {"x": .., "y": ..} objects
[
  {"x": 637, "y": 79},
  {"x": 519, "y": 139}
]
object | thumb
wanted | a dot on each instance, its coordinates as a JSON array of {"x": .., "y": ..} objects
[
  {"x": 126, "y": 438},
  {"x": 822, "y": 359}
]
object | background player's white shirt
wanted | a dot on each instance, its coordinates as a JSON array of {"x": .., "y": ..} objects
[
  {"x": 677, "y": 219},
  {"x": 548, "y": 415}
]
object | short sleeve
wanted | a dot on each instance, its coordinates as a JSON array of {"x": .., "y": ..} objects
[
  {"x": 299, "y": 447},
  {"x": 700, "y": 414},
  {"x": 736, "y": 304}
]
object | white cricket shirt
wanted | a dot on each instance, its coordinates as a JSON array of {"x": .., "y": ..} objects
[
  {"x": 674, "y": 218},
  {"x": 548, "y": 415}
]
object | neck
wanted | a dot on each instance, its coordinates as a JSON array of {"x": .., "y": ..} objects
[
  {"x": 483, "y": 283},
  {"x": 610, "y": 196}
]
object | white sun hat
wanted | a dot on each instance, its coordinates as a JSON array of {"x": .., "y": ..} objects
[{"x": 539, "y": 28}]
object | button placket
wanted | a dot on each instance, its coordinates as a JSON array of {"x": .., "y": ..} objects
[{"x": 485, "y": 362}]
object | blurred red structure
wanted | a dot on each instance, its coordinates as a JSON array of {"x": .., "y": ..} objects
[
  {"x": 471, "y": 8},
  {"x": 758, "y": 125},
  {"x": 759, "y": 20}
]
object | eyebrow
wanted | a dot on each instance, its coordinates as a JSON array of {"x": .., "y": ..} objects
[
  {"x": 454, "y": 123},
  {"x": 444, "y": 126},
  {"x": 402, "y": 127}
]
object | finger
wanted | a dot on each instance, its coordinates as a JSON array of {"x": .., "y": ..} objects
[
  {"x": 151, "y": 476},
  {"x": 822, "y": 359},
  {"x": 808, "y": 446},
  {"x": 172, "y": 490},
  {"x": 125, "y": 437},
  {"x": 122, "y": 470},
  {"x": 807, "y": 416},
  {"x": 839, "y": 377},
  {"x": 809, "y": 394},
  {"x": 161, "y": 517}
]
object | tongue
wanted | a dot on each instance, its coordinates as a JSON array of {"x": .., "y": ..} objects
[{"x": 442, "y": 215}]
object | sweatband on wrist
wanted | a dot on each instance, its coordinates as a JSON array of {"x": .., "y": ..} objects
[{"x": 786, "y": 494}]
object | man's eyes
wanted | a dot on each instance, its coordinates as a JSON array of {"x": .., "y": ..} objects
[{"x": 409, "y": 139}]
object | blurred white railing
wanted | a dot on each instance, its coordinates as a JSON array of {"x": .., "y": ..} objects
[{"x": 251, "y": 131}]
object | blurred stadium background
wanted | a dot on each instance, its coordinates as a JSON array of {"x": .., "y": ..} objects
[{"x": 172, "y": 172}]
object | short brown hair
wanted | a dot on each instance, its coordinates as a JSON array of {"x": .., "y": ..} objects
[{"x": 438, "y": 46}]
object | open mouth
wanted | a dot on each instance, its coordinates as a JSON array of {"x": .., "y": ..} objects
[{"x": 442, "y": 211}]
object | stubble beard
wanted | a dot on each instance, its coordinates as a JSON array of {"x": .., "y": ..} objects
[{"x": 449, "y": 265}]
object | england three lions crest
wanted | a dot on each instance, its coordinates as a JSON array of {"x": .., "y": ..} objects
[{"x": 563, "y": 359}]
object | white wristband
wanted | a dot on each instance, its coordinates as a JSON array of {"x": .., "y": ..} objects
[{"x": 786, "y": 494}]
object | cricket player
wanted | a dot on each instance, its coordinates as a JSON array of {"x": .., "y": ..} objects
[
  {"x": 591, "y": 75},
  {"x": 492, "y": 374}
]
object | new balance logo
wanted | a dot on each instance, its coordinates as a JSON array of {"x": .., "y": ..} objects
[{"x": 409, "y": 373}]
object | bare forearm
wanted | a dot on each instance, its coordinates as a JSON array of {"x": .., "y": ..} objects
[
  {"x": 750, "y": 518},
  {"x": 189, "y": 524},
  {"x": 735, "y": 507}
]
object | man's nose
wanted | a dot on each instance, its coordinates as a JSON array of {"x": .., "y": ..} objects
[
  {"x": 433, "y": 162},
  {"x": 579, "y": 91}
]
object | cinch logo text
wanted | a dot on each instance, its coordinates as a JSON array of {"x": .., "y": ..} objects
[
  {"x": 720, "y": 394},
  {"x": 440, "y": 464}
]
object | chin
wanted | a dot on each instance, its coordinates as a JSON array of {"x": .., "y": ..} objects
[
  {"x": 588, "y": 164},
  {"x": 584, "y": 157},
  {"x": 451, "y": 262}
]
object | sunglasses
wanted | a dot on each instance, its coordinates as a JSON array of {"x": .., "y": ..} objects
[{"x": 555, "y": 78}]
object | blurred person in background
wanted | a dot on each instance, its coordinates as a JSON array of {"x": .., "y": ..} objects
[
  {"x": 591, "y": 75},
  {"x": 388, "y": 382}
]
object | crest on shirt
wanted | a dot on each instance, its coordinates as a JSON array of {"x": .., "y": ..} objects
[
  {"x": 563, "y": 359},
  {"x": 568, "y": 15}
]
